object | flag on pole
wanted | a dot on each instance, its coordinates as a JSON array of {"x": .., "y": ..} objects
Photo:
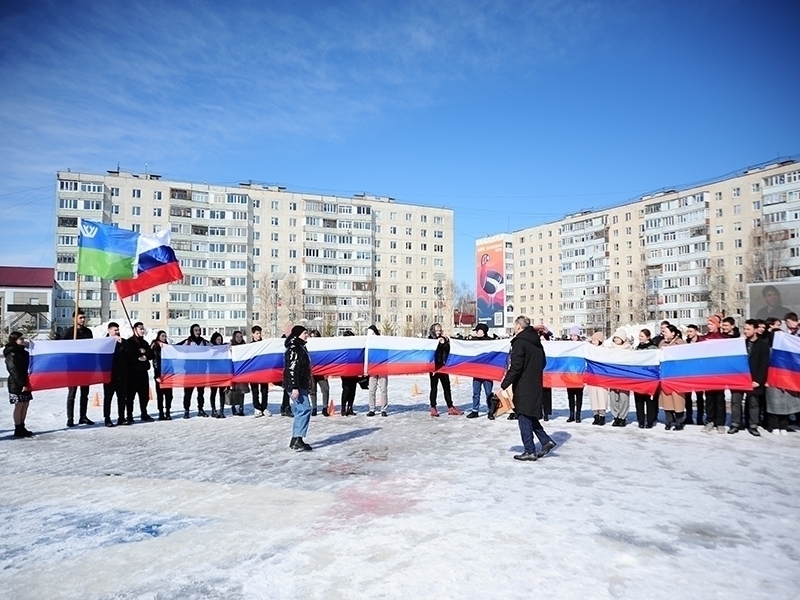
[
  {"x": 105, "y": 251},
  {"x": 156, "y": 264}
]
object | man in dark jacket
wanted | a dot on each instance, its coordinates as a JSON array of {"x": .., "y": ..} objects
[
  {"x": 297, "y": 382},
  {"x": 481, "y": 334},
  {"x": 527, "y": 362},
  {"x": 119, "y": 379},
  {"x": 81, "y": 333},
  {"x": 139, "y": 356},
  {"x": 758, "y": 358},
  {"x": 195, "y": 339},
  {"x": 259, "y": 400},
  {"x": 440, "y": 360}
]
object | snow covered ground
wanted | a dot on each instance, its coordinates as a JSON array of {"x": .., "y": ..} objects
[{"x": 404, "y": 506}]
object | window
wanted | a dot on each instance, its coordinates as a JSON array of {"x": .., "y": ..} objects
[
  {"x": 136, "y": 211},
  {"x": 737, "y": 209},
  {"x": 71, "y": 203},
  {"x": 720, "y": 246},
  {"x": 92, "y": 188},
  {"x": 718, "y": 212},
  {"x": 92, "y": 205},
  {"x": 68, "y": 186},
  {"x": 737, "y": 192},
  {"x": 156, "y": 212},
  {"x": 136, "y": 193},
  {"x": 200, "y": 213},
  {"x": 273, "y": 221},
  {"x": 737, "y": 243},
  {"x": 155, "y": 315},
  {"x": 757, "y": 205},
  {"x": 718, "y": 196},
  {"x": 438, "y": 233}
]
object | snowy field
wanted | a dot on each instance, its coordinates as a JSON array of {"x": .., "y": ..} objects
[{"x": 404, "y": 506}]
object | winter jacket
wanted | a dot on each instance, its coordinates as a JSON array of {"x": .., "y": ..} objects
[
  {"x": 156, "y": 348},
  {"x": 133, "y": 347},
  {"x": 296, "y": 365},
  {"x": 84, "y": 333},
  {"x": 758, "y": 358},
  {"x": 17, "y": 362},
  {"x": 527, "y": 362},
  {"x": 717, "y": 335},
  {"x": 191, "y": 341},
  {"x": 442, "y": 350},
  {"x": 119, "y": 364},
  {"x": 647, "y": 346}
]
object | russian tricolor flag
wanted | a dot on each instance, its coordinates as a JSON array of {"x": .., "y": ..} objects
[
  {"x": 338, "y": 356},
  {"x": 156, "y": 265},
  {"x": 482, "y": 359},
  {"x": 784, "y": 362},
  {"x": 389, "y": 355},
  {"x": 70, "y": 363},
  {"x": 258, "y": 362},
  {"x": 566, "y": 364},
  {"x": 616, "y": 369},
  {"x": 196, "y": 366},
  {"x": 710, "y": 365}
]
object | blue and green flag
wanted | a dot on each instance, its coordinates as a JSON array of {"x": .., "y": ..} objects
[{"x": 106, "y": 252}]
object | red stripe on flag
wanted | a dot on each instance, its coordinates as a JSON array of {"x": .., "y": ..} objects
[{"x": 149, "y": 279}]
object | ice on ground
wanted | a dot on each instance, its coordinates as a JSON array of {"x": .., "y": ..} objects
[{"x": 403, "y": 506}]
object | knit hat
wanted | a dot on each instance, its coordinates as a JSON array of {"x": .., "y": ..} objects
[
  {"x": 482, "y": 327},
  {"x": 575, "y": 330},
  {"x": 716, "y": 319},
  {"x": 297, "y": 330},
  {"x": 621, "y": 334},
  {"x": 598, "y": 336}
]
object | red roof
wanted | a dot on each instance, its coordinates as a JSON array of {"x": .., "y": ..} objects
[{"x": 27, "y": 277}]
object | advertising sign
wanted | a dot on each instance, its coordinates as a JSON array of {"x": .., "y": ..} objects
[{"x": 491, "y": 283}]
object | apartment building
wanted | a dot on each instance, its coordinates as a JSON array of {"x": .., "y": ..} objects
[
  {"x": 676, "y": 254},
  {"x": 259, "y": 254}
]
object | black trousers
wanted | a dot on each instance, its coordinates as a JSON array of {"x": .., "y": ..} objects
[
  {"x": 646, "y": 409},
  {"x": 575, "y": 399},
  {"x": 547, "y": 401},
  {"x": 349, "y": 385},
  {"x": 187, "y": 398},
  {"x": 700, "y": 406},
  {"x": 138, "y": 385},
  {"x": 163, "y": 399},
  {"x": 213, "y": 395},
  {"x": 84, "y": 401},
  {"x": 715, "y": 407},
  {"x": 109, "y": 389},
  {"x": 260, "y": 395},
  {"x": 444, "y": 378}
]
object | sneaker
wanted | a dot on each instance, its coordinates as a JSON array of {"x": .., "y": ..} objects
[
  {"x": 709, "y": 427},
  {"x": 384, "y": 413},
  {"x": 434, "y": 412},
  {"x": 452, "y": 410},
  {"x": 472, "y": 415},
  {"x": 186, "y": 414},
  {"x": 85, "y": 421},
  {"x": 258, "y": 413},
  {"x": 371, "y": 413},
  {"x": 721, "y": 429},
  {"x": 753, "y": 431},
  {"x": 145, "y": 418},
  {"x": 526, "y": 456},
  {"x": 546, "y": 449},
  {"x": 733, "y": 430}
]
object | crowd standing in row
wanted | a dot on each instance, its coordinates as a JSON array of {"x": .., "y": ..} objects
[{"x": 762, "y": 405}]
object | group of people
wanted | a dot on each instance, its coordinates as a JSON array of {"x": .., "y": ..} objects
[
  {"x": 759, "y": 406},
  {"x": 762, "y": 405}
]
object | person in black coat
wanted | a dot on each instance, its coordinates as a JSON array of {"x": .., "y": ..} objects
[
  {"x": 82, "y": 333},
  {"x": 440, "y": 360},
  {"x": 139, "y": 356},
  {"x": 527, "y": 362},
  {"x": 297, "y": 382},
  {"x": 195, "y": 339},
  {"x": 19, "y": 387},
  {"x": 349, "y": 387},
  {"x": 758, "y": 358},
  {"x": 119, "y": 379},
  {"x": 163, "y": 395}
]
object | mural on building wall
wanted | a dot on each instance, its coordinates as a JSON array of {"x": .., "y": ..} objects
[{"x": 491, "y": 283}]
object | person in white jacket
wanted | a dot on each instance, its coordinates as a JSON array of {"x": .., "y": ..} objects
[
  {"x": 619, "y": 401},
  {"x": 376, "y": 381}
]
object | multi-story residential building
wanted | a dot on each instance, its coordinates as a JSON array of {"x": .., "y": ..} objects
[
  {"x": 259, "y": 254},
  {"x": 676, "y": 254},
  {"x": 26, "y": 300}
]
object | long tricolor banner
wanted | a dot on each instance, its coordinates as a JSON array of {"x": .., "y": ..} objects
[
  {"x": 70, "y": 363},
  {"x": 784, "y": 362},
  {"x": 566, "y": 364},
  {"x": 390, "y": 355},
  {"x": 613, "y": 369},
  {"x": 710, "y": 365},
  {"x": 196, "y": 366}
]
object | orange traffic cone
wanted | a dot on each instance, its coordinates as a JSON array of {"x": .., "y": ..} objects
[
  {"x": 331, "y": 408},
  {"x": 96, "y": 401},
  {"x": 455, "y": 380},
  {"x": 415, "y": 390}
]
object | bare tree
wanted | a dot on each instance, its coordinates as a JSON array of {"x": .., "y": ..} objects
[
  {"x": 769, "y": 251},
  {"x": 638, "y": 297},
  {"x": 719, "y": 293},
  {"x": 290, "y": 300},
  {"x": 463, "y": 297}
]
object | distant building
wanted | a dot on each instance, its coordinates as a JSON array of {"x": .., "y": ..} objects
[
  {"x": 26, "y": 300},
  {"x": 678, "y": 255},
  {"x": 259, "y": 254}
]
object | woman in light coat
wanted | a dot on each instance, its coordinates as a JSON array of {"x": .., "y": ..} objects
[
  {"x": 598, "y": 397},
  {"x": 674, "y": 404},
  {"x": 619, "y": 401}
]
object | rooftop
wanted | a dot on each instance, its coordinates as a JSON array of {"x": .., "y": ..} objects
[{"x": 27, "y": 277}]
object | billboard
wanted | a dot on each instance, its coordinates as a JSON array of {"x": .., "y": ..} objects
[
  {"x": 491, "y": 282},
  {"x": 773, "y": 299}
]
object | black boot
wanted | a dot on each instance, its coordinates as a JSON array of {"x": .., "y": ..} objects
[
  {"x": 301, "y": 446},
  {"x": 596, "y": 420},
  {"x": 578, "y": 406},
  {"x": 292, "y": 443},
  {"x": 679, "y": 421},
  {"x": 669, "y": 417},
  {"x": 109, "y": 422},
  {"x": 601, "y": 420},
  {"x": 186, "y": 414},
  {"x": 571, "y": 418},
  {"x": 18, "y": 431}
]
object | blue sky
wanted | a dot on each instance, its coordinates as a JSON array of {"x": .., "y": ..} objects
[{"x": 511, "y": 113}]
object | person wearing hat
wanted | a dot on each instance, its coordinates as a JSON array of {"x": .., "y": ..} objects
[
  {"x": 481, "y": 332},
  {"x": 297, "y": 383},
  {"x": 619, "y": 401},
  {"x": 716, "y": 413},
  {"x": 598, "y": 396}
]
